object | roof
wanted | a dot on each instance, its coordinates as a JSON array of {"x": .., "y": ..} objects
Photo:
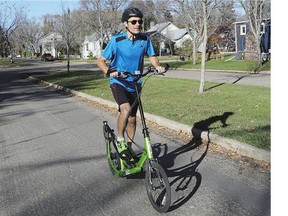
[
  {"x": 176, "y": 34},
  {"x": 172, "y": 33},
  {"x": 92, "y": 37},
  {"x": 158, "y": 28}
]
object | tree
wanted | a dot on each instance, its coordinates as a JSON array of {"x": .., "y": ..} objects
[
  {"x": 3, "y": 46},
  {"x": 148, "y": 9},
  {"x": 31, "y": 32},
  {"x": 10, "y": 19},
  {"x": 196, "y": 15},
  {"x": 66, "y": 25},
  {"x": 225, "y": 29},
  {"x": 48, "y": 26},
  {"x": 256, "y": 11},
  {"x": 102, "y": 16}
]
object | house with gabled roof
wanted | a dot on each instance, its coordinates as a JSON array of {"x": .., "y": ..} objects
[
  {"x": 51, "y": 43},
  {"x": 170, "y": 32},
  {"x": 91, "y": 46}
]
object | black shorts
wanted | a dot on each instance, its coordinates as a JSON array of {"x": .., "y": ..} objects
[{"x": 121, "y": 96}]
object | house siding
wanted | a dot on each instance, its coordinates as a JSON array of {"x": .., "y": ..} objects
[
  {"x": 245, "y": 42},
  {"x": 91, "y": 46},
  {"x": 241, "y": 38},
  {"x": 49, "y": 44}
]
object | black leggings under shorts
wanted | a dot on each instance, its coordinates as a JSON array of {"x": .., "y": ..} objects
[{"x": 121, "y": 96}]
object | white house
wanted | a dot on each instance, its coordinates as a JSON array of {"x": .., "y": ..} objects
[
  {"x": 50, "y": 43},
  {"x": 171, "y": 32},
  {"x": 91, "y": 47}
]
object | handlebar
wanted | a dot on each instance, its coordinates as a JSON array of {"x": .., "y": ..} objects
[{"x": 137, "y": 75}]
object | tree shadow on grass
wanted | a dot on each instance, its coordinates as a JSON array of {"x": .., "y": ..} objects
[{"x": 205, "y": 125}]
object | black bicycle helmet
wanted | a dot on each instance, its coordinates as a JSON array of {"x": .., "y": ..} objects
[{"x": 131, "y": 12}]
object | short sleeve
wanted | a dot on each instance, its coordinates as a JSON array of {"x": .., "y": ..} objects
[
  {"x": 109, "y": 50},
  {"x": 150, "y": 47}
]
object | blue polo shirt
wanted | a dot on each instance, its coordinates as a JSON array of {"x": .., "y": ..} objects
[{"x": 128, "y": 55}]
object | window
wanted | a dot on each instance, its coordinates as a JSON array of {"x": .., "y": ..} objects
[
  {"x": 87, "y": 47},
  {"x": 242, "y": 29},
  {"x": 262, "y": 31}
]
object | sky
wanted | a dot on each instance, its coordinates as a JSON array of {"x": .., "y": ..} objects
[{"x": 38, "y": 8}]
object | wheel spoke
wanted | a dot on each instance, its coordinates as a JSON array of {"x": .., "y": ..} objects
[{"x": 158, "y": 187}]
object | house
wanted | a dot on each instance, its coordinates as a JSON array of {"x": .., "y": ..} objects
[
  {"x": 266, "y": 39},
  {"x": 169, "y": 32},
  {"x": 244, "y": 44},
  {"x": 241, "y": 29},
  {"x": 91, "y": 47},
  {"x": 51, "y": 43}
]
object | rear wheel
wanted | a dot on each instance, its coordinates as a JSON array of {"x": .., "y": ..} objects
[
  {"x": 113, "y": 158},
  {"x": 105, "y": 131},
  {"x": 157, "y": 187}
]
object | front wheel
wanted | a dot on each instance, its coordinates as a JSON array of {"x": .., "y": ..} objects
[{"x": 157, "y": 187}]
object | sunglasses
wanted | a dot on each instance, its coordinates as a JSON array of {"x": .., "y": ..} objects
[{"x": 133, "y": 22}]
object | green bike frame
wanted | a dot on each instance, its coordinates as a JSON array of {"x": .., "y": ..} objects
[{"x": 125, "y": 168}]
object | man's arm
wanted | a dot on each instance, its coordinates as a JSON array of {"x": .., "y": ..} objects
[
  {"x": 155, "y": 62},
  {"x": 101, "y": 63}
]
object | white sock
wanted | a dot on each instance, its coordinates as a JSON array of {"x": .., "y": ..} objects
[{"x": 120, "y": 139}]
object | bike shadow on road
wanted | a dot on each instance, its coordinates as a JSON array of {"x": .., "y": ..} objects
[{"x": 186, "y": 179}]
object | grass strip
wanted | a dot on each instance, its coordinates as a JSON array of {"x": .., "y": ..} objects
[{"x": 233, "y": 111}]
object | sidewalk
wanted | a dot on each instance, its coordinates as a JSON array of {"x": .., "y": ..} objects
[{"x": 242, "y": 149}]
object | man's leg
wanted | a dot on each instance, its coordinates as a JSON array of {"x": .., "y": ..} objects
[
  {"x": 126, "y": 123},
  {"x": 131, "y": 128},
  {"x": 122, "y": 119}
]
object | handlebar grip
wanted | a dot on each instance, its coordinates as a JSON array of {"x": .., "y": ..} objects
[
  {"x": 122, "y": 74},
  {"x": 111, "y": 70},
  {"x": 157, "y": 73}
]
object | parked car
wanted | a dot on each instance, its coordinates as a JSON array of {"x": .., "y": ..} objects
[{"x": 47, "y": 57}]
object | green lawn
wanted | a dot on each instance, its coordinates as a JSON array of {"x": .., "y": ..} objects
[
  {"x": 244, "y": 110},
  {"x": 17, "y": 62},
  {"x": 222, "y": 64}
]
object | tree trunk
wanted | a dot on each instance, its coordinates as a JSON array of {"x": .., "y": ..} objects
[
  {"x": 203, "y": 59},
  {"x": 10, "y": 50},
  {"x": 194, "y": 52},
  {"x": 68, "y": 59}
]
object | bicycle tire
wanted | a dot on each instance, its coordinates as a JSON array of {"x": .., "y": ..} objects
[
  {"x": 105, "y": 131},
  {"x": 156, "y": 179},
  {"x": 113, "y": 158}
]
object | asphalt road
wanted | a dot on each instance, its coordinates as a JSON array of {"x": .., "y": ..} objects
[
  {"x": 53, "y": 162},
  {"x": 241, "y": 78},
  {"x": 220, "y": 77}
]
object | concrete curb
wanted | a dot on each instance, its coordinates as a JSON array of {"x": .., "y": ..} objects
[{"x": 239, "y": 147}]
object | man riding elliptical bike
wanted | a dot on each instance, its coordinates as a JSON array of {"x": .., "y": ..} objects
[{"x": 125, "y": 52}]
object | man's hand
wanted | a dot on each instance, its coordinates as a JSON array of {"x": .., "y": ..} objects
[
  {"x": 161, "y": 69},
  {"x": 112, "y": 72}
]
